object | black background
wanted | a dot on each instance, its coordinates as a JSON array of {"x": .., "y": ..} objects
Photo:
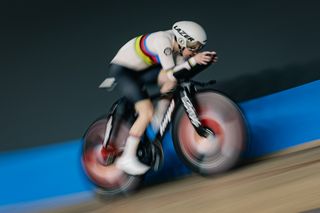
[{"x": 54, "y": 54}]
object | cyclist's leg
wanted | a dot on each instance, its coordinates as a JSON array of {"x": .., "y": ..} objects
[
  {"x": 156, "y": 76},
  {"x": 128, "y": 161},
  {"x": 144, "y": 108},
  {"x": 150, "y": 75},
  {"x": 131, "y": 87}
]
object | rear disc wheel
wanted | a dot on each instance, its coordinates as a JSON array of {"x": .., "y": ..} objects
[
  {"x": 99, "y": 162},
  {"x": 218, "y": 152}
]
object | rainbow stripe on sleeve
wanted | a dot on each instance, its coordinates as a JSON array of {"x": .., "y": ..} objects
[{"x": 145, "y": 54}]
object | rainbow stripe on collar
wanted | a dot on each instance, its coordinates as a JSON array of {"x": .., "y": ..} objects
[{"x": 145, "y": 54}]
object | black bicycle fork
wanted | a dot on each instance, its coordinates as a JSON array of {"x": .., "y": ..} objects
[{"x": 187, "y": 97}]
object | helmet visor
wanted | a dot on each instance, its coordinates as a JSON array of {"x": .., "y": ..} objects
[{"x": 194, "y": 46}]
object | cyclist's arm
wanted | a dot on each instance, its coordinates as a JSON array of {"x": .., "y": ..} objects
[
  {"x": 165, "y": 54},
  {"x": 193, "y": 65},
  {"x": 185, "y": 66}
]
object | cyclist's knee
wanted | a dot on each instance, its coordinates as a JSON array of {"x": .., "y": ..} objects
[
  {"x": 166, "y": 87},
  {"x": 145, "y": 110}
]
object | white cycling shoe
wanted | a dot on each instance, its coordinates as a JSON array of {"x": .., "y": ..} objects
[{"x": 128, "y": 161}]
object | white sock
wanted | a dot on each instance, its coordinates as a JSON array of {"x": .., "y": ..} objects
[
  {"x": 131, "y": 145},
  {"x": 128, "y": 161}
]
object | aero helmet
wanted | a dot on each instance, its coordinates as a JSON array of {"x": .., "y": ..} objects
[{"x": 189, "y": 35}]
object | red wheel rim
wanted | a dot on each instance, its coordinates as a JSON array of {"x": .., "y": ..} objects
[
  {"x": 94, "y": 158},
  {"x": 219, "y": 152}
]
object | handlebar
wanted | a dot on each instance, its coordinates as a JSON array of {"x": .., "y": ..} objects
[{"x": 184, "y": 74}]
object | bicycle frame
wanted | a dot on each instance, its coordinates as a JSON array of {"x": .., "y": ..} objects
[{"x": 183, "y": 94}]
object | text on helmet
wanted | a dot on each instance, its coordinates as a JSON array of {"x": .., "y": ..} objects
[{"x": 183, "y": 33}]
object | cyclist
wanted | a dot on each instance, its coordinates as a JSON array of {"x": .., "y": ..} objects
[{"x": 153, "y": 58}]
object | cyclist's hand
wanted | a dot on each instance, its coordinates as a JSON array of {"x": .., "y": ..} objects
[
  {"x": 206, "y": 57},
  {"x": 214, "y": 57}
]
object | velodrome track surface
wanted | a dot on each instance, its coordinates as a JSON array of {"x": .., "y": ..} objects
[{"x": 289, "y": 182}]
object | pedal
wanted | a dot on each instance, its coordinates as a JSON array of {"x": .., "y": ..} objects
[
  {"x": 151, "y": 154},
  {"x": 158, "y": 157}
]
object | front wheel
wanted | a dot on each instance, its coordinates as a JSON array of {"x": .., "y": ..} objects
[
  {"x": 216, "y": 153},
  {"x": 98, "y": 162}
]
